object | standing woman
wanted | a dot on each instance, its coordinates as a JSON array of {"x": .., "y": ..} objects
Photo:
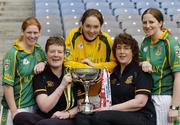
[
  {"x": 87, "y": 46},
  {"x": 160, "y": 56},
  {"x": 18, "y": 65}
]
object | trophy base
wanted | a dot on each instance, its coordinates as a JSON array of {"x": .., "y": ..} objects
[{"x": 86, "y": 108}]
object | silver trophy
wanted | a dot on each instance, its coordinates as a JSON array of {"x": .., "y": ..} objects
[{"x": 87, "y": 77}]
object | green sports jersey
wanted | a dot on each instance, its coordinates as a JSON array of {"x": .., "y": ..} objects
[
  {"x": 18, "y": 67},
  {"x": 164, "y": 56}
]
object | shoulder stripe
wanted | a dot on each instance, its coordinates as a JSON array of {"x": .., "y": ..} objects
[
  {"x": 144, "y": 90},
  {"x": 40, "y": 90},
  {"x": 108, "y": 49},
  {"x": 76, "y": 34}
]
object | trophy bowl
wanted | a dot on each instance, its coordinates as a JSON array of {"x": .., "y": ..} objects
[{"x": 87, "y": 77}]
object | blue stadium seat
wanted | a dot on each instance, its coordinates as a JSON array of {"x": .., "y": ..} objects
[
  {"x": 86, "y": 1},
  {"x": 134, "y": 30},
  {"x": 46, "y": 5},
  {"x": 118, "y": 4},
  {"x": 122, "y": 18},
  {"x": 170, "y": 4},
  {"x": 97, "y": 5},
  {"x": 72, "y": 5},
  {"x": 127, "y": 11},
  {"x": 47, "y": 12},
  {"x": 176, "y": 18},
  {"x": 43, "y": 1},
  {"x": 113, "y": 32},
  {"x": 74, "y": 18},
  {"x": 124, "y": 1},
  {"x": 130, "y": 24},
  {"x": 75, "y": 11},
  {"x": 69, "y": 1},
  {"x": 139, "y": 5},
  {"x": 173, "y": 11}
]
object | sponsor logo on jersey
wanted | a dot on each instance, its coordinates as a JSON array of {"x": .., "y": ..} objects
[
  {"x": 80, "y": 45},
  {"x": 145, "y": 49},
  {"x": 177, "y": 51},
  {"x": 26, "y": 61},
  {"x": 38, "y": 57},
  {"x": 129, "y": 80},
  {"x": 50, "y": 84},
  {"x": 6, "y": 64},
  {"x": 67, "y": 52},
  {"x": 113, "y": 81},
  {"x": 159, "y": 50}
]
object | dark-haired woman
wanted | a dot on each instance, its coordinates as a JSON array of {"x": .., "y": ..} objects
[
  {"x": 88, "y": 46},
  {"x": 130, "y": 89}
]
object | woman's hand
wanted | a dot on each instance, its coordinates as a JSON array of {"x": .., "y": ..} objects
[
  {"x": 146, "y": 66},
  {"x": 61, "y": 115},
  {"x": 172, "y": 115},
  {"x": 14, "y": 113},
  {"x": 39, "y": 67},
  {"x": 88, "y": 62},
  {"x": 66, "y": 80}
]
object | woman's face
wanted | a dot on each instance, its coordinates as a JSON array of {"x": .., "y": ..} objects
[
  {"x": 31, "y": 35},
  {"x": 55, "y": 55},
  {"x": 124, "y": 54},
  {"x": 91, "y": 28},
  {"x": 151, "y": 26}
]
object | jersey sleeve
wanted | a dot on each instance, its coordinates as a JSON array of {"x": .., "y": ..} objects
[
  {"x": 39, "y": 84},
  {"x": 143, "y": 83},
  {"x": 111, "y": 62},
  {"x": 174, "y": 54},
  {"x": 9, "y": 67}
]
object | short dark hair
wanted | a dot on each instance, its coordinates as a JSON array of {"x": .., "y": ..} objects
[
  {"x": 125, "y": 38},
  {"x": 55, "y": 40}
]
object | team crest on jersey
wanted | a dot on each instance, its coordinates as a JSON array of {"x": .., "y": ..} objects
[
  {"x": 129, "y": 80},
  {"x": 113, "y": 81},
  {"x": 50, "y": 84},
  {"x": 6, "y": 64},
  {"x": 159, "y": 50},
  {"x": 67, "y": 53},
  {"x": 177, "y": 50},
  {"x": 26, "y": 61},
  {"x": 80, "y": 45},
  {"x": 145, "y": 49},
  {"x": 38, "y": 57}
]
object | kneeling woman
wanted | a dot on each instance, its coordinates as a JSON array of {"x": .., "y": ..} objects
[{"x": 130, "y": 88}]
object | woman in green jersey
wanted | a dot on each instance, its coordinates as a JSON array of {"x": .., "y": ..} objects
[
  {"x": 160, "y": 54},
  {"x": 18, "y": 66}
]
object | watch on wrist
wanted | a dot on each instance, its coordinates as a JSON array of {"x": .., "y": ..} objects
[{"x": 174, "y": 107}]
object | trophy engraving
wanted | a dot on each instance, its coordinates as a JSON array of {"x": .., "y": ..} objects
[{"x": 87, "y": 77}]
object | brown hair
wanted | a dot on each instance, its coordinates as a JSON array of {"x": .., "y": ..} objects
[
  {"x": 30, "y": 21},
  {"x": 156, "y": 13},
  {"x": 55, "y": 40},
  {"x": 124, "y": 38},
  {"x": 92, "y": 12}
]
